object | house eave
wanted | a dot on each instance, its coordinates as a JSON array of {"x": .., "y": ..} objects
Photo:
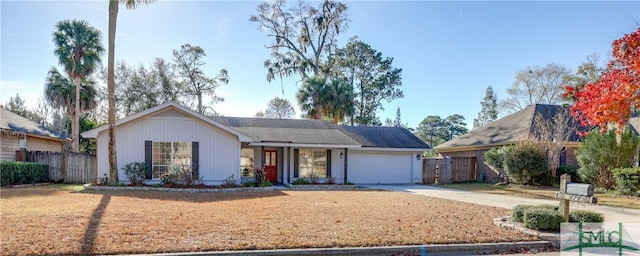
[
  {"x": 300, "y": 145},
  {"x": 393, "y": 149}
]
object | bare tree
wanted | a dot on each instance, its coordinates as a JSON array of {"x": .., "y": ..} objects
[
  {"x": 304, "y": 36},
  {"x": 553, "y": 133},
  {"x": 536, "y": 85},
  {"x": 279, "y": 108}
]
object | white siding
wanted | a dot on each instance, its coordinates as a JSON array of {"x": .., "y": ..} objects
[
  {"x": 384, "y": 167},
  {"x": 337, "y": 165},
  {"x": 219, "y": 149}
]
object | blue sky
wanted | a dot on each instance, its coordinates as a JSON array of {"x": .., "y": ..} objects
[{"x": 449, "y": 51}]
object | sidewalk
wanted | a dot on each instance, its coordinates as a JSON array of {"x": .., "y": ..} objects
[{"x": 611, "y": 214}]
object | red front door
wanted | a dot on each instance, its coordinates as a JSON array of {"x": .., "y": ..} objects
[{"x": 271, "y": 165}]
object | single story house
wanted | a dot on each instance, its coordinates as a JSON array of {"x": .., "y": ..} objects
[
  {"x": 172, "y": 136},
  {"x": 17, "y": 132},
  {"x": 508, "y": 130}
]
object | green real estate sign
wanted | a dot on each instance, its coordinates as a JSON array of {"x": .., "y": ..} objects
[{"x": 600, "y": 239}]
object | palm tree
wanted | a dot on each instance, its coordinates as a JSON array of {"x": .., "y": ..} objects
[
  {"x": 331, "y": 101},
  {"x": 111, "y": 84},
  {"x": 79, "y": 50},
  {"x": 311, "y": 97},
  {"x": 341, "y": 101},
  {"x": 59, "y": 92}
]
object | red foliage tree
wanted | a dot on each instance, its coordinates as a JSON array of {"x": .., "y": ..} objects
[{"x": 608, "y": 102}]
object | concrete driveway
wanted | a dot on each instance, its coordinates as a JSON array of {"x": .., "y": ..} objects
[{"x": 612, "y": 214}]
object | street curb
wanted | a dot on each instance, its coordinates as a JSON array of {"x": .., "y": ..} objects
[{"x": 437, "y": 249}]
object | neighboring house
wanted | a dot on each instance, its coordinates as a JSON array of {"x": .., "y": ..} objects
[
  {"x": 172, "y": 136},
  {"x": 15, "y": 128},
  {"x": 508, "y": 130}
]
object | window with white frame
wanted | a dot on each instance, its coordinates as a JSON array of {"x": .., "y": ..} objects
[
  {"x": 170, "y": 156},
  {"x": 246, "y": 162},
  {"x": 312, "y": 162}
]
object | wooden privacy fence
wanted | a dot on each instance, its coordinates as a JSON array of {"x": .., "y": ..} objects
[
  {"x": 448, "y": 169},
  {"x": 67, "y": 167}
]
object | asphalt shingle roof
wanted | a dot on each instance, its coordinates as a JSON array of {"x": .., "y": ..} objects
[
  {"x": 12, "y": 121},
  {"x": 384, "y": 137},
  {"x": 507, "y": 130},
  {"x": 296, "y": 131}
]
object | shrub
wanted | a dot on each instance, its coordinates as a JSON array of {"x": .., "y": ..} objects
[
  {"x": 313, "y": 177},
  {"x": 330, "y": 180},
  {"x": 495, "y": 156},
  {"x": 585, "y": 216},
  {"x": 526, "y": 163},
  {"x": 600, "y": 154},
  {"x": 135, "y": 172},
  {"x": 627, "y": 181},
  {"x": 568, "y": 169},
  {"x": 250, "y": 184},
  {"x": 300, "y": 181},
  {"x": 259, "y": 174},
  {"x": 517, "y": 212},
  {"x": 230, "y": 181},
  {"x": 15, "y": 173},
  {"x": 185, "y": 175},
  {"x": 169, "y": 179},
  {"x": 265, "y": 183},
  {"x": 542, "y": 218}
]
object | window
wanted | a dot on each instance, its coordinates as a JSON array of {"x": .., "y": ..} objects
[
  {"x": 246, "y": 162},
  {"x": 312, "y": 162},
  {"x": 169, "y": 156}
]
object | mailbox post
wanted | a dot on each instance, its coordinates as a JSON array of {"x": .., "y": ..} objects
[{"x": 577, "y": 192}]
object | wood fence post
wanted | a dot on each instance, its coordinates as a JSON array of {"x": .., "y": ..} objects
[{"x": 564, "y": 203}]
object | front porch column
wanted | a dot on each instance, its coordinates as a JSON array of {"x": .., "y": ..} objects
[
  {"x": 346, "y": 156},
  {"x": 262, "y": 156},
  {"x": 289, "y": 165}
]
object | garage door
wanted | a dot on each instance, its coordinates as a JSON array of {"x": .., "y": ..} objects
[{"x": 379, "y": 168}]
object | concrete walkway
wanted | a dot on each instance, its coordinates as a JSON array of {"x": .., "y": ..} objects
[{"x": 611, "y": 214}]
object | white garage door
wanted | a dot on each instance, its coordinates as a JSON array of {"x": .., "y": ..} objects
[{"x": 379, "y": 168}]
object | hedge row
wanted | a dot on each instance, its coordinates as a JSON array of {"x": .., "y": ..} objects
[
  {"x": 547, "y": 217},
  {"x": 15, "y": 173}
]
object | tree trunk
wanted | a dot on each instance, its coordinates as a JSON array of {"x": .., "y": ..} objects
[
  {"x": 75, "y": 127},
  {"x": 113, "y": 163},
  {"x": 200, "y": 110}
]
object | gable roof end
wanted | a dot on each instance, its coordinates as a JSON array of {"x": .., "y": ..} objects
[{"x": 162, "y": 107}]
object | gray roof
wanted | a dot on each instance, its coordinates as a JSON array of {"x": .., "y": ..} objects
[
  {"x": 507, "y": 130},
  {"x": 295, "y": 131},
  {"x": 12, "y": 121},
  {"x": 384, "y": 137}
]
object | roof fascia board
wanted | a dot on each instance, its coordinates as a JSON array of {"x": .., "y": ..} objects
[
  {"x": 392, "y": 149},
  {"x": 301, "y": 145}
]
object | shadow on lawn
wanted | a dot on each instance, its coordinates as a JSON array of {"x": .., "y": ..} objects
[
  {"x": 31, "y": 191},
  {"x": 189, "y": 197},
  {"x": 94, "y": 223}
]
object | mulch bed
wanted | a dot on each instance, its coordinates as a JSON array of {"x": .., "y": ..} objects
[{"x": 52, "y": 220}]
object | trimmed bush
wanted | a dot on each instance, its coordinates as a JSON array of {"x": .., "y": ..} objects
[
  {"x": 542, "y": 218},
  {"x": 627, "y": 181},
  {"x": 568, "y": 169},
  {"x": 15, "y": 173},
  {"x": 517, "y": 212},
  {"x": 585, "y": 216},
  {"x": 135, "y": 172},
  {"x": 526, "y": 163}
]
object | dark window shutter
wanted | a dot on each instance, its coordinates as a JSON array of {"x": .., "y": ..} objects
[
  {"x": 296, "y": 162},
  {"x": 328, "y": 163},
  {"x": 148, "y": 159},
  {"x": 195, "y": 159}
]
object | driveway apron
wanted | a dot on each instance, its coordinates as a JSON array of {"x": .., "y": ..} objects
[{"x": 612, "y": 214}]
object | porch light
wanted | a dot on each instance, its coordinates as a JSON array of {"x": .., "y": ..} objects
[
  {"x": 418, "y": 157},
  {"x": 341, "y": 155}
]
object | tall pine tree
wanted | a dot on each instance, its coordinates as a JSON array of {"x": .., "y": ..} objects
[{"x": 489, "y": 111}]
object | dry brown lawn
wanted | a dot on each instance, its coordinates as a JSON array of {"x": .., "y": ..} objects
[{"x": 60, "y": 220}]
